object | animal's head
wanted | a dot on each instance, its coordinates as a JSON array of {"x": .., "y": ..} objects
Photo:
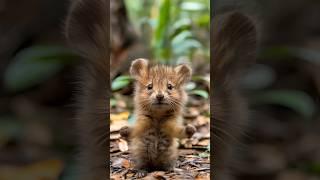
[{"x": 160, "y": 87}]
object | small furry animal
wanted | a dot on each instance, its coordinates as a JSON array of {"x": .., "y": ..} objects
[
  {"x": 233, "y": 49},
  {"x": 159, "y": 100}
]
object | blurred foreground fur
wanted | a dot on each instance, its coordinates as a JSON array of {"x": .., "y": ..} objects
[
  {"x": 87, "y": 32},
  {"x": 233, "y": 49}
]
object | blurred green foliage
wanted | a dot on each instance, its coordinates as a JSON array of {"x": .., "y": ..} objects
[
  {"x": 121, "y": 82},
  {"x": 35, "y": 65},
  {"x": 295, "y": 100},
  {"x": 174, "y": 29},
  {"x": 261, "y": 77}
]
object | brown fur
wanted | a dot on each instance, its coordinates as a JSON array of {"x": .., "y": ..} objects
[
  {"x": 153, "y": 137},
  {"x": 87, "y": 33},
  {"x": 233, "y": 48}
]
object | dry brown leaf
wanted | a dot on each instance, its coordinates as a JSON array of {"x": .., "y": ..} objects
[
  {"x": 115, "y": 136},
  {"x": 187, "y": 143},
  {"x": 202, "y": 120},
  {"x": 191, "y": 113},
  {"x": 123, "y": 145},
  {"x": 129, "y": 175},
  {"x": 190, "y": 156},
  {"x": 204, "y": 142},
  {"x": 119, "y": 117},
  {"x": 159, "y": 175},
  {"x": 117, "y": 125},
  {"x": 117, "y": 163},
  {"x": 126, "y": 163},
  {"x": 121, "y": 104},
  {"x": 115, "y": 177},
  {"x": 207, "y": 135},
  {"x": 204, "y": 176},
  {"x": 113, "y": 146},
  {"x": 195, "y": 141}
]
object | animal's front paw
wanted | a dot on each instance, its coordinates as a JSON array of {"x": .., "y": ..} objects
[
  {"x": 142, "y": 173},
  {"x": 190, "y": 130},
  {"x": 125, "y": 131}
]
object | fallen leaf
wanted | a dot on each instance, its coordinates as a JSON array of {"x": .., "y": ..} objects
[
  {"x": 115, "y": 136},
  {"x": 159, "y": 175},
  {"x": 117, "y": 163},
  {"x": 205, "y": 176},
  {"x": 187, "y": 143},
  {"x": 120, "y": 116},
  {"x": 116, "y": 177},
  {"x": 191, "y": 113},
  {"x": 126, "y": 164},
  {"x": 204, "y": 142},
  {"x": 202, "y": 120},
  {"x": 117, "y": 125},
  {"x": 123, "y": 145},
  {"x": 129, "y": 175},
  {"x": 121, "y": 104}
]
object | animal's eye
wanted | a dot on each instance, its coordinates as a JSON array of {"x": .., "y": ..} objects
[
  {"x": 170, "y": 87},
  {"x": 149, "y": 87}
]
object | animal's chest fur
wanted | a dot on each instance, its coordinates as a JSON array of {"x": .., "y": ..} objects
[{"x": 156, "y": 142}]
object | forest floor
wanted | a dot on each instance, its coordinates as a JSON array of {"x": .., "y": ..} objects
[{"x": 194, "y": 153}]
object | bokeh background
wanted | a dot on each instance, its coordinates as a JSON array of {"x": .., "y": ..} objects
[
  {"x": 38, "y": 75},
  {"x": 283, "y": 138}
]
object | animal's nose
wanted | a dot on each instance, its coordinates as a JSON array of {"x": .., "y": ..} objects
[{"x": 160, "y": 97}]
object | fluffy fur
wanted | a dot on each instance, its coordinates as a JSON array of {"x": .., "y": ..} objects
[
  {"x": 87, "y": 33},
  {"x": 233, "y": 49},
  {"x": 158, "y": 124}
]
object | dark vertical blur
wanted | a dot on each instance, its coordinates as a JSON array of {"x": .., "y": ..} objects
[
  {"x": 36, "y": 83},
  {"x": 282, "y": 140}
]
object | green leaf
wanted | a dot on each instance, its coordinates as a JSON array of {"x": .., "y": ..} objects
[
  {"x": 131, "y": 119},
  {"x": 204, "y": 155},
  {"x": 204, "y": 20},
  {"x": 123, "y": 78},
  {"x": 258, "y": 77},
  {"x": 121, "y": 82},
  {"x": 34, "y": 65},
  {"x": 10, "y": 128},
  {"x": 180, "y": 25},
  {"x": 298, "y": 101},
  {"x": 185, "y": 46},
  {"x": 201, "y": 93},
  {"x": 282, "y": 52},
  {"x": 117, "y": 85},
  {"x": 113, "y": 102},
  {"x": 70, "y": 171},
  {"x": 190, "y": 86},
  {"x": 160, "y": 41},
  {"x": 193, "y": 6},
  {"x": 310, "y": 55},
  {"x": 182, "y": 36}
]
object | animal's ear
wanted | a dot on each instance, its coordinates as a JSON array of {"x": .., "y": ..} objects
[
  {"x": 183, "y": 72},
  {"x": 86, "y": 28},
  {"x": 139, "y": 68},
  {"x": 233, "y": 45}
]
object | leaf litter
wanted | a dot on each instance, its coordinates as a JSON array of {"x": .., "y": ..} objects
[{"x": 194, "y": 155}]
